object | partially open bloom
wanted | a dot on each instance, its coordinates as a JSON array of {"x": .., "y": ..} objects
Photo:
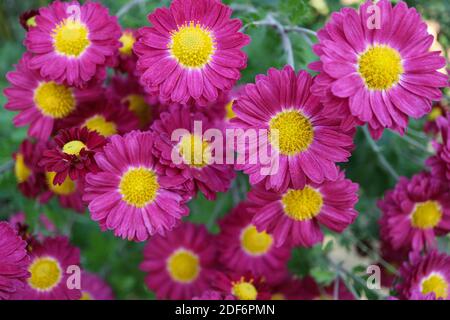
[
  {"x": 440, "y": 163},
  {"x": 425, "y": 275},
  {"x": 130, "y": 194},
  {"x": 180, "y": 265},
  {"x": 303, "y": 141},
  {"x": 103, "y": 117},
  {"x": 94, "y": 288},
  {"x": 127, "y": 58},
  {"x": 243, "y": 286},
  {"x": 381, "y": 74},
  {"x": 431, "y": 125},
  {"x": 243, "y": 248},
  {"x": 295, "y": 216},
  {"x": 73, "y": 154},
  {"x": 73, "y": 43},
  {"x": 13, "y": 261},
  {"x": 198, "y": 164},
  {"x": 192, "y": 52},
  {"x": 41, "y": 102},
  {"x": 415, "y": 212},
  {"x": 48, "y": 268},
  {"x": 28, "y": 19},
  {"x": 29, "y": 175}
]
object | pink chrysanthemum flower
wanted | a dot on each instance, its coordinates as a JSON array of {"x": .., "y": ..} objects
[
  {"x": 69, "y": 192},
  {"x": 94, "y": 288},
  {"x": 127, "y": 91},
  {"x": 102, "y": 117},
  {"x": 295, "y": 216},
  {"x": 415, "y": 212},
  {"x": 214, "y": 295},
  {"x": 243, "y": 248},
  {"x": 425, "y": 277},
  {"x": 13, "y": 261},
  {"x": 48, "y": 266},
  {"x": 192, "y": 52},
  {"x": 41, "y": 102},
  {"x": 73, "y": 154},
  {"x": 180, "y": 265},
  {"x": 199, "y": 165},
  {"x": 73, "y": 43},
  {"x": 309, "y": 142},
  {"x": 440, "y": 163},
  {"x": 127, "y": 58},
  {"x": 380, "y": 74},
  {"x": 243, "y": 286},
  {"x": 29, "y": 175},
  {"x": 131, "y": 194}
]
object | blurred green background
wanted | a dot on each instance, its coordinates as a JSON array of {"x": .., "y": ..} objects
[{"x": 118, "y": 260}]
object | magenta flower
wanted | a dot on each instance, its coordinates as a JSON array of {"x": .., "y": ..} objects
[
  {"x": 130, "y": 193},
  {"x": 440, "y": 163},
  {"x": 214, "y": 295},
  {"x": 379, "y": 74},
  {"x": 13, "y": 261},
  {"x": 73, "y": 43},
  {"x": 242, "y": 285},
  {"x": 180, "y": 266},
  {"x": 309, "y": 141},
  {"x": 192, "y": 52},
  {"x": 94, "y": 288},
  {"x": 415, "y": 212},
  {"x": 294, "y": 216}
]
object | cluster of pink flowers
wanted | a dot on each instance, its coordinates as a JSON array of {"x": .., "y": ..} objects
[{"x": 107, "y": 146}]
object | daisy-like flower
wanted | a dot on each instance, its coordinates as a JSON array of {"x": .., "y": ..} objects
[
  {"x": 127, "y": 91},
  {"x": 48, "y": 268},
  {"x": 243, "y": 248},
  {"x": 192, "y": 52},
  {"x": 199, "y": 167},
  {"x": 102, "y": 117},
  {"x": 130, "y": 193},
  {"x": 69, "y": 192},
  {"x": 14, "y": 261},
  {"x": 41, "y": 102},
  {"x": 440, "y": 163},
  {"x": 127, "y": 58},
  {"x": 29, "y": 175},
  {"x": 380, "y": 74},
  {"x": 180, "y": 265},
  {"x": 294, "y": 216},
  {"x": 305, "y": 140},
  {"x": 243, "y": 286},
  {"x": 415, "y": 212},
  {"x": 431, "y": 125},
  {"x": 73, "y": 154},
  {"x": 425, "y": 277},
  {"x": 94, "y": 288},
  {"x": 28, "y": 19},
  {"x": 73, "y": 43}
]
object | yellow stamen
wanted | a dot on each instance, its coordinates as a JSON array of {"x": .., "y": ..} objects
[
  {"x": 437, "y": 284},
  {"x": 45, "y": 273},
  {"x": 435, "y": 113},
  {"x": 183, "y": 266},
  {"x": 54, "y": 100},
  {"x": 74, "y": 147},
  {"x": 139, "y": 187},
  {"x": 195, "y": 151},
  {"x": 86, "y": 296},
  {"x": 254, "y": 242},
  {"x": 426, "y": 215},
  {"x": 127, "y": 40},
  {"x": 302, "y": 204},
  {"x": 66, "y": 188},
  {"x": 70, "y": 38},
  {"x": 244, "y": 290},
  {"x": 99, "y": 124},
  {"x": 21, "y": 169},
  {"x": 138, "y": 105},
  {"x": 31, "y": 22}
]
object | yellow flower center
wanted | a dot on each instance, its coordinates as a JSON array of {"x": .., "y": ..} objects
[
  {"x": 195, "y": 151},
  {"x": 138, "y": 105},
  {"x": 86, "y": 296},
  {"x": 45, "y": 273},
  {"x": 70, "y": 38},
  {"x": 435, "y": 113},
  {"x": 381, "y": 67},
  {"x": 99, "y": 124},
  {"x": 66, "y": 188},
  {"x": 437, "y": 284},
  {"x": 229, "y": 109},
  {"x": 139, "y": 187},
  {"x": 183, "y": 266},
  {"x": 302, "y": 204},
  {"x": 244, "y": 290},
  {"x": 21, "y": 169},
  {"x": 74, "y": 147},
  {"x": 426, "y": 215},
  {"x": 31, "y": 22},
  {"x": 127, "y": 40},
  {"x": 254, "y": 242},
  {"x": 192, "y": 45},
  {"x": 54, "y": 100},
  {"x": 278, "y": 296},
  {"x": 293, "y": 131}
]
